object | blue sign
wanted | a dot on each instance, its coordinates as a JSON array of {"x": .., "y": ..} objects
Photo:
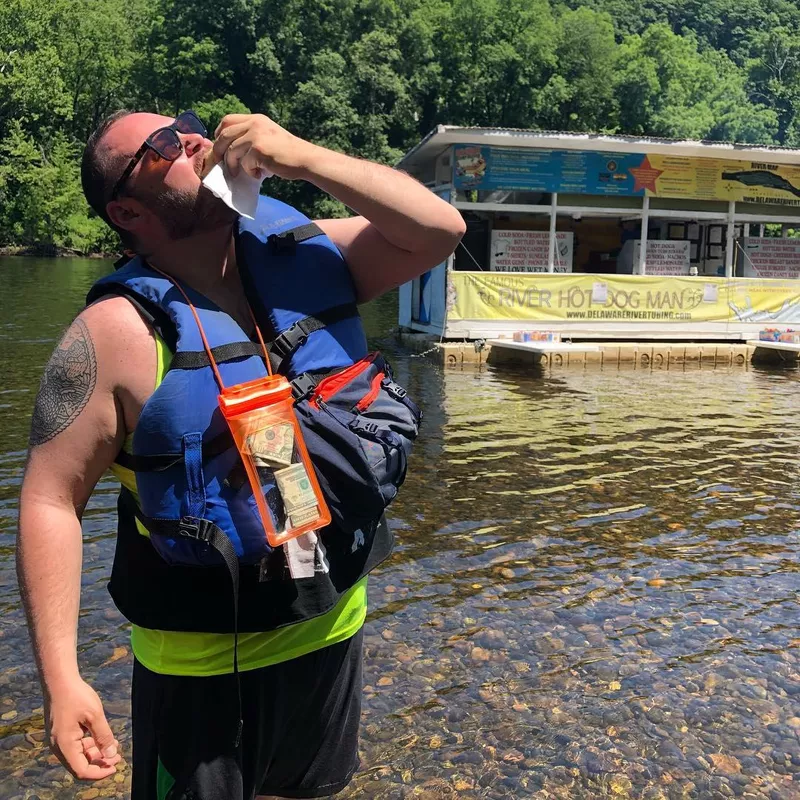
[{"x": 546, "y": 171}]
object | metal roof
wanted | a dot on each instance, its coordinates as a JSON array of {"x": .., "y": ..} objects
[{"x": 443, "y": 136}]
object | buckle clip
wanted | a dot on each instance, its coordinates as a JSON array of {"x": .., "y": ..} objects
[
  {"x": 288, "y": 341},
  {"x": 303, "y": 385},
  {"x": 195, "y": 528},
  {"x": 282, "y": 243},
  {"x": 363, "y": 425},
  {"x": 394, "y": 389},
  {"x": 280, "y": 344},
  {"x": 189, "y": 527}
]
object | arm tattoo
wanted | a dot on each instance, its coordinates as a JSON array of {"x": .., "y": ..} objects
[{"x": 67, "y": 384}]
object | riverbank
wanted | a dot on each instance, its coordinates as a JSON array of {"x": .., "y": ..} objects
[{"x": 49, "y": 251}]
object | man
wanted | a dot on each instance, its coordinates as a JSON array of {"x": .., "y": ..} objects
[{"x": 300, "y": 683}]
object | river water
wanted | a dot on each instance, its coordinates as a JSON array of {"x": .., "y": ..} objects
[{"x": 594, "y": 592}]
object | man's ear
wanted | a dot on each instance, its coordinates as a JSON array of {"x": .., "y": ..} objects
[{"x": 126, "y": 214}]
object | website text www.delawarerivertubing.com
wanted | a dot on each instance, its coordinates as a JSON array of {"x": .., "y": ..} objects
[{"x": 672, "y": 316}]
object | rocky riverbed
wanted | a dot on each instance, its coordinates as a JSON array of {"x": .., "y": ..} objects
[{"x": 594, "y": 592}]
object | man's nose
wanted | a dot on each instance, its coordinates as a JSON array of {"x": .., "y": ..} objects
[{"x": 192, "y": 143}]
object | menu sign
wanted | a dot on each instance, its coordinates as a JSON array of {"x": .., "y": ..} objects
[
  {"x": 665, "y": 257},
  {"x": 771, "y": 258},
  {"x": 528, "y": 251}
]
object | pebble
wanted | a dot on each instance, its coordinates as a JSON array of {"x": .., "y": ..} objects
[
  {"x": 491, "y": 640},
  {"x": 508, "y": 574},
  {"x": 668, "y": 749},
  {"x": 725, "y": 763},
  {"x": 468, "y": 757}
]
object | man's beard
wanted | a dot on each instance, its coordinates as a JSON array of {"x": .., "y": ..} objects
[{"x": 184, "y": 215}]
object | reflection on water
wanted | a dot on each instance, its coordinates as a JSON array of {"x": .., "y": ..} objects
[{"x": 594, "y": 593}]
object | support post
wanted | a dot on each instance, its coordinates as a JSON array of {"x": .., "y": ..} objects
[
  {"x": 551, "y": 257},
  {"x": 729, "y": 240},
  {"x": 642, "y": 265}
]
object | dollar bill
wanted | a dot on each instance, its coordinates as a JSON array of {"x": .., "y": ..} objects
[
  {"x": 304, "y": 515},
  {"x": 295, "y": 488},
  {"x": 272, "y": 446}
]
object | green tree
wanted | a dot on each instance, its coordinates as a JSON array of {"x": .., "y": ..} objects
[
  {"x": 580, "y": 95},
  {"x": 774, "y": 71},
  {"x": 495, "y": 55},
  {"x": 212, "y": 111},
  {"x": 673, "y": 89},
  {"x": 41, "y": 201},
  {"x": 370, "y": 77},
  {"x": 32, "y": 87},
  {"x": 98, "y": 50}
]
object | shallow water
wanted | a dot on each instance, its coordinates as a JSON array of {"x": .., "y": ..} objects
[{"x": 594, "y": 592}]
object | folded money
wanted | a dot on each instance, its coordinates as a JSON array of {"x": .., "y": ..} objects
[
  {"x": 295, "y": 488},
  {"x": 304, "y": 515},
  {"x": 272, "y": 446}
]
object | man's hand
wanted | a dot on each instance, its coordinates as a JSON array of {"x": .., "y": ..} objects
[
  {"x": 79, "y": 733},
  {"x": 258, "y": 145}
]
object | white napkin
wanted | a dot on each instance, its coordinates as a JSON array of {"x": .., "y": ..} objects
[
  {"x": 306, "y": 555},
  {"x": 239, "y": 193}
]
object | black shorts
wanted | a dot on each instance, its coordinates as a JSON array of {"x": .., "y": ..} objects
[{"x": 300, "y": 735}]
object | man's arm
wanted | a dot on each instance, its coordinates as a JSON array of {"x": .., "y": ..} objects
[
  {"x": 76, "y": 432},
  {"x": 403, "y": 229}
]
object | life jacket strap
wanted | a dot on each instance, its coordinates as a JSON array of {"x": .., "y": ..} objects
[
  {"x": 197, "y": 359},
  {"x": 158, "y": 462},
  {"x": 285, "y": 243},
  {"x": 293, "y": 337},
  {"x": 302, "y": 386}
]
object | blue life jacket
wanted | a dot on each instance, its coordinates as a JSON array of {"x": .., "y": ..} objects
[{"x": 358, "y": 426}]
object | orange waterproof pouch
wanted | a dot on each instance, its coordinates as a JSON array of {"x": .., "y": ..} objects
[
  {"x": 261, "y": 418},
  {"x": 260, "y": 415}
]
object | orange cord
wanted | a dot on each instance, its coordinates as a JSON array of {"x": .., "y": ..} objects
[
  {"x": 260, "y": 339},
  {"x": 203, "y": 333}
]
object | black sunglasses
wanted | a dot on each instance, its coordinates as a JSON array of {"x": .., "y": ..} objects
[{"x": 165, "y": 142}]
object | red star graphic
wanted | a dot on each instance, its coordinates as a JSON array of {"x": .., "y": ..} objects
[{"x": 645, "y": 176}]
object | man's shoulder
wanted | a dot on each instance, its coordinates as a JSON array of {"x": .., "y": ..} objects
[
  {"x": 119, "y": 332},
  {"x": 113, "y": 316}
]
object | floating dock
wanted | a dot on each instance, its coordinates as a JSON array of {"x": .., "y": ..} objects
[{"x": 643, "y": 355}]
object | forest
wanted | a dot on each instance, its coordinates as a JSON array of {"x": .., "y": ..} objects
[{"x": 371, "y": 77}]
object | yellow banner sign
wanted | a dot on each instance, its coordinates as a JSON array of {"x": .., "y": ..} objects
[
  {"x": 529, "y": 297},
  {"x": 718, "y": 179}
]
